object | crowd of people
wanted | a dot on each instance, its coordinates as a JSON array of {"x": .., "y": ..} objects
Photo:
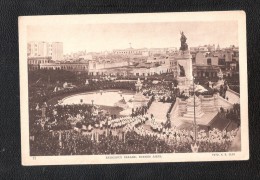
[
  {"x": 139, "y": 111},
  {"x": 93, "y": 86},
  {"x": 162, "y": 90},
  {"x": 130, "y": 137},
  {"x": 65, "y": 117},
  {"x": 86, "y": 129},
  {"x": 116, "y": 136},
  {"x": 125, "y": 122},
  {"x": 74, "y": 143},
  {"x": 233, "y": 114}
]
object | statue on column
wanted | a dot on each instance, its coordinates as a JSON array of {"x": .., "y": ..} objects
[{"x": 184, "y": 45}]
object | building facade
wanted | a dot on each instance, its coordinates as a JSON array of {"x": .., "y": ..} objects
[
  {"x": 35, "y": 62},
  {"x": 56, "y": 51},
  {"x": 74, "y": 67},
  {"x": 130, "y": 51},
  {"x": 206, "y": 59},
  {"x": 45, "y": 49}
]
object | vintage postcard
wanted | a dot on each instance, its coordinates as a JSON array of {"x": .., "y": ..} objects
[{"x": 133, "y": 88}]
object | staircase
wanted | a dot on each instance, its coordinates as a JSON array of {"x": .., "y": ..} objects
[{"x": 175, "y": 120}]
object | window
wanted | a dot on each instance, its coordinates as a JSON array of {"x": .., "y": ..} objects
[
  {"x": 208, "y": 61},
  {"x": 221, "y": 62}
]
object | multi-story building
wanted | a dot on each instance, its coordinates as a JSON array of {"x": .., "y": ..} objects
[
  {"x": 205, "y": 48},
  {"x": 68, "y": 66},
  {"x": 56, "y": 51},
  {"x": 153, "y": 51},
  {"x": 211, "y": 48},
  {"x": 144, "y": 51},
  {"x": 172, "y": 50},
  {"x": 35, "y": 62},
  {"x": 206, "y": 59},
  {"x": 130, "y": 51},
  {"x": 159, "y": 59},
  {"x": 45, "y": 49},
  {"x": 38, "y": 49}
]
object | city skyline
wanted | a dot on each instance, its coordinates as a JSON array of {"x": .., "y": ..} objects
[{"x": 106, "y": 37}]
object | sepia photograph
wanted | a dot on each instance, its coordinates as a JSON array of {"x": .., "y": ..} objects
[{"x": 133, "y": 88}]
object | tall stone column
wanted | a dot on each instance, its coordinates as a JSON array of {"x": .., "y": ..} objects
[{"x": 184, "y": 61}]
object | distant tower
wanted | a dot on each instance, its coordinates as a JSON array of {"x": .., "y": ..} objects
[{"x": 218, "y": 48}]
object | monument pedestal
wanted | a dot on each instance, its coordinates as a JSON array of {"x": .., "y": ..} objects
[
  {"x": 189, "y": 115},
  {"x": 139, "y": 100},
  {"x": 182, "y": 81},
  {"x": 184, "y": 64}
]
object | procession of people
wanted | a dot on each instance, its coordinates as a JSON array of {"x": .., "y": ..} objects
[
  {"x": 57, "y": 129},
  {"x": 120, "y": 135}
]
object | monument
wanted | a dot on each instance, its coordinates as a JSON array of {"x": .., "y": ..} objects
[
  {"x": 184, "y": 63},
  {"x": 122, "y": 103},
  {"x": 190, "y": 108},
  {"x": 139, "y": 99},
  {"x": 200, "y": 109}
]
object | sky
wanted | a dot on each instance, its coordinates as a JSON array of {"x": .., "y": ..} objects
[{"x": 106, "y": 37}]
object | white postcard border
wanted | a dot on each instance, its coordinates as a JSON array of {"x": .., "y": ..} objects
[{"x": 25, "y": 21}]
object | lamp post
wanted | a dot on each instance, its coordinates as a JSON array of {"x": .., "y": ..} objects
[
  {"x": 195, "y": 123},
  {"x": 194, "y": 147},
  {"x": 92, "y": 102}
]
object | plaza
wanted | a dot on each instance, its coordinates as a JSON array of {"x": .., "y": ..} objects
[{"x": 114, "y": 107}]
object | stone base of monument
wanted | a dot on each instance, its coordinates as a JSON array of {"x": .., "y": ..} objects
[
  {"x": 191, "y": 115},
  {"x": 193, "y": 104},
  {"x": 205, "y": 119},
  {"x": 139, "y": 100},
  {"x": 208, "y": 103},
  {"x": 183, "y": 81}
]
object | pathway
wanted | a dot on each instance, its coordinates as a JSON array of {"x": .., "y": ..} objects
[
  {"x": 159, "y": 110},
  {"x": 232, "y": 97}
]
